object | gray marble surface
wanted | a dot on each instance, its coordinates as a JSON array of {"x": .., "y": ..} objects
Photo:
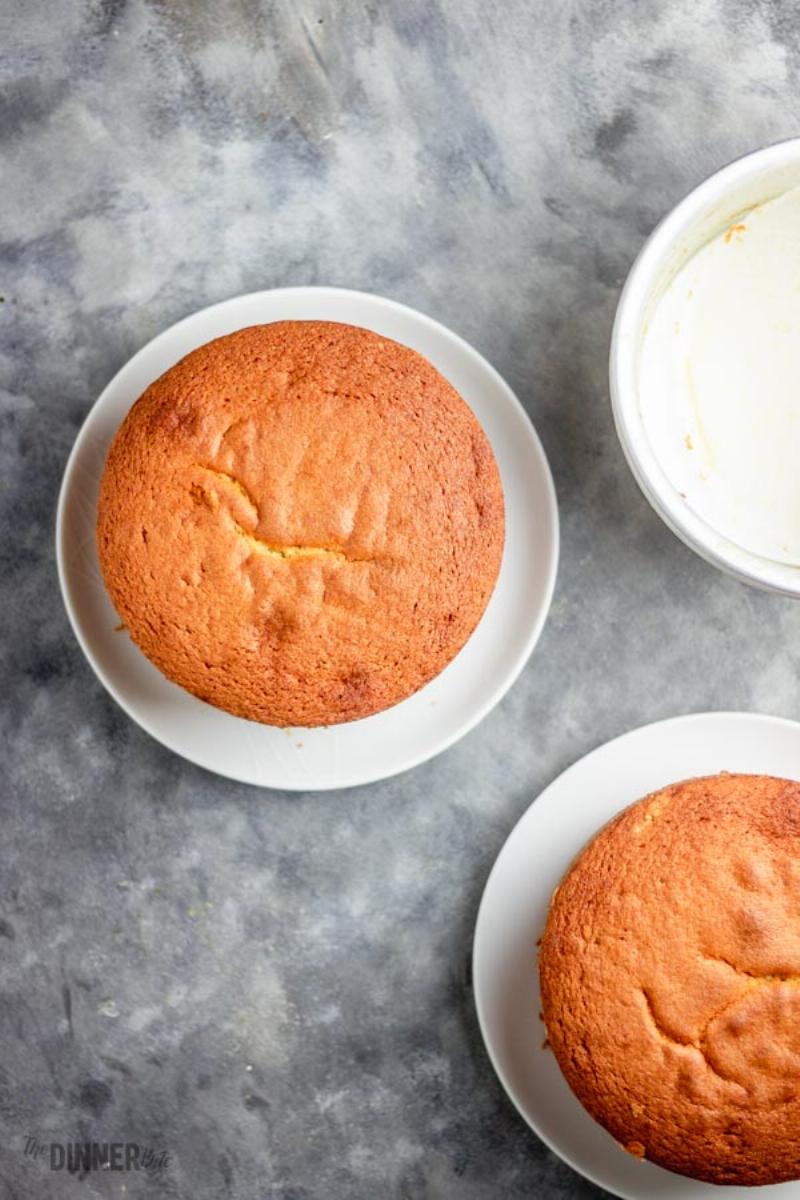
[{"x": 275, "y": 988}]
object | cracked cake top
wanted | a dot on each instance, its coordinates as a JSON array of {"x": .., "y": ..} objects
[
  {"x": 670, "y": 978},
  {"x": 301, "y": 522}
]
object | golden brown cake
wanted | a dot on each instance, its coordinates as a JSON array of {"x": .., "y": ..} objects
[
  {"x": 670, "y": 978},
  {"x": 301, "y": 523}
]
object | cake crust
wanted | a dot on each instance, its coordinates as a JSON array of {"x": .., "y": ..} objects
[
  {"x": 670, "y": 978},
  {"x": 300, "y": 523}
]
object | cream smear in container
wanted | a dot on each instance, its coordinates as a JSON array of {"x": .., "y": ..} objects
[{"x": 705, "y": 369}]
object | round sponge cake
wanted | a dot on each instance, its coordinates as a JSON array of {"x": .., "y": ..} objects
[
  {"x": 670, "y": 978},
  {"x": 301, "y": 523}
]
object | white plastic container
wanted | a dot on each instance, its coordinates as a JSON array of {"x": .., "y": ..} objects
[{"x": 711, "y": 208}]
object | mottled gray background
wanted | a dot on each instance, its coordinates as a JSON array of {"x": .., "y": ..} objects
[{"x": 276, "y": 987}]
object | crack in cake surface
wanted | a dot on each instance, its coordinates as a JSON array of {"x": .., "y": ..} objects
[
  {"x": 751, "y": 981},
  {"x": 699, "y": 1046},
  {"x": 261, "y": 545},
  {"x": 759, "y": 976}
]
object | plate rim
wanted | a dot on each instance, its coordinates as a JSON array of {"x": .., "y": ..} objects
[
  {"x": 311, "y": 291},
  {"x": 756, "y": 718}
]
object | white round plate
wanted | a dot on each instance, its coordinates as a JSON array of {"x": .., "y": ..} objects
[
  {"x": 514, "y": 908},
  {"x": 401, "y": 737}
]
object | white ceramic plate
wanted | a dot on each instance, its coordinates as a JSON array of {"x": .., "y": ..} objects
[
  {"x": 378, "y": 746},
  {"x": 514, "y": 907}
]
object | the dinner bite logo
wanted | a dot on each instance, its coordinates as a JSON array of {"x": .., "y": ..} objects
[{"x": 78, "y": 1158}]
